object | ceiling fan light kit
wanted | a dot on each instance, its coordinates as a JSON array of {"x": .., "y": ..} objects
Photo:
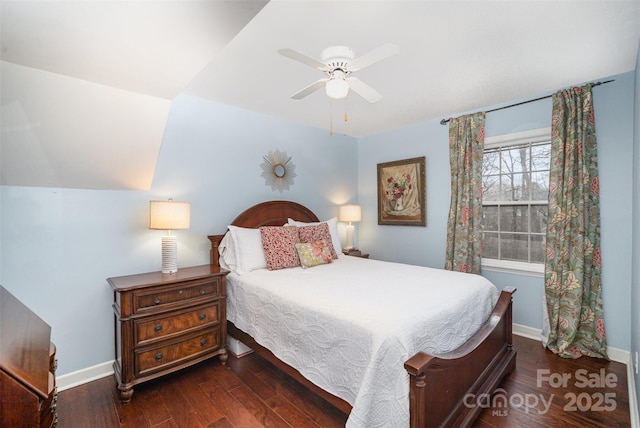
[
  {"x": 337, "y": 88},
  {"x": 338, "y": 63}
]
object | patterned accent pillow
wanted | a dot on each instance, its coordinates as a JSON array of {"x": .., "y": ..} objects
[
  {"x": 333, "y": 230},
  {"x": 279, "y": 244},
  {"x": 314, "y": 253},
  {"x": 315, "y": 233}
]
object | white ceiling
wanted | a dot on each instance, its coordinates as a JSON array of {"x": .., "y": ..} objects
[{"x": 454, "y": 57}]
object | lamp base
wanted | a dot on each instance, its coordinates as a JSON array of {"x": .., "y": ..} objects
[
  {"x": 350, "y": 229},
  {"x": 169, "y": 254}
]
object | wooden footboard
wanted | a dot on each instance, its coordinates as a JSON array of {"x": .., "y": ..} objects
[{"x": 444, "y": 390}]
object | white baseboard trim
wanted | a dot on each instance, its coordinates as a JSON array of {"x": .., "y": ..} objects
[
  {"x": 528, "y": 332},
  {"x": 615, "y": 354},
  {"x": 83, "y": 376}
]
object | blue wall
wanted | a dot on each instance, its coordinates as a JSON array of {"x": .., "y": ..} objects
[
  {"x": 60, "y": 245},
  {"x": 426, "y": 246}
]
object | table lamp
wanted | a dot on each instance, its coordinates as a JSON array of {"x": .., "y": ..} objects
[
  {"x": 349, "y": 213},
  {"x": 169, "y": 215}
]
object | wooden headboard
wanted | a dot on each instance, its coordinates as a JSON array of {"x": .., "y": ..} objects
[{"x": 270, "y": 213}]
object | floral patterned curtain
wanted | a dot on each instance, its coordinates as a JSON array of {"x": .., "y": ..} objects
[
  {"x": 464, "y": 233},
  {"x": 573, "y": 288}
]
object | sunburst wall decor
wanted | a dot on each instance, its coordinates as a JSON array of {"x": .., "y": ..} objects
[{"x": 278, "y": 170}]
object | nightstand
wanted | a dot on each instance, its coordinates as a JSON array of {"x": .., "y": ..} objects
[
  {"x": 356, "y": 253},
  {"x": 167, "y": 322}
]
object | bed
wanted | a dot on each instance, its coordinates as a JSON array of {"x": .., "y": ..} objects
[{"x": 346, "y": 355}]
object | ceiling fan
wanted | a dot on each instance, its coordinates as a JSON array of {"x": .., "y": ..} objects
[{"x": 338, "y": 63}]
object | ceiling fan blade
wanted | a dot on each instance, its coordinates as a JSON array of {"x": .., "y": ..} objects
[
  {"x": 364, "y": 90},
  {"x": 309, "y": 89},
  {"x": 297, "y": 56},
  {"x": 378, "y": 54}
]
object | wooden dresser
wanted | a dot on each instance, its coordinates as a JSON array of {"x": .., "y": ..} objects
[
  {"x": 27, "y": 367},
  {"x": 166, "y": 322}
]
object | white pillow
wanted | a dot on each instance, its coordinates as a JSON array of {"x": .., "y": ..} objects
[
  {"x": 227, "y": 252},
  {"x": 333, "y": 231},
  {"x": 248, "y": 245}
]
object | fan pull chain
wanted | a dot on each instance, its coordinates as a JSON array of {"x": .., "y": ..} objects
[{"x": 346, "y": 118}]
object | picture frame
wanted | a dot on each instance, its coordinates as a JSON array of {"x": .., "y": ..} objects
[{"x": 402, "y": 192}]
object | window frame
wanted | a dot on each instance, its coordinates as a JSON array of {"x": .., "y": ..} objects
[{"x": 525, "y": 137}]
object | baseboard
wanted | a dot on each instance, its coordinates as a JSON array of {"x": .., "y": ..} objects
[
  {"x": 528, "y": 332},
  {"x": 83, "y": 376},
  {"x": 615, "y": 354}
]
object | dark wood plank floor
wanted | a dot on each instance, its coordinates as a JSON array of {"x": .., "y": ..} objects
[{"x": 252, "y": 393}]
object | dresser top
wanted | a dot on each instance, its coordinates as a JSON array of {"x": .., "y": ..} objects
[{"x": 130, "y": 282}]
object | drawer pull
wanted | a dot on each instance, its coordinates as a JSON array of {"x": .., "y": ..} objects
[
  {"x": 158, "y": 328},
  {"x": 203, "y": 342},
  {"x": 156, "y": 301},
  {"x": 180, "y": 292},
  {"x": 159, "y": 356},
  {"x": 202, "y": 291},
  {"x": 202, "y": 316}
]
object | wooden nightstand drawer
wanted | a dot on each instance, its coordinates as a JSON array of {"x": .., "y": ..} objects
[
  {"x": 167, "y": 296},
  {"x": 150, "y": 329},
  {"x": 161, "y": 357}
]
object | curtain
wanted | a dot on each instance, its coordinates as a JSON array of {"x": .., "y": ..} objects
[
  {"x": 464, "y": 233},
  {"x": 572, "y": 279}
]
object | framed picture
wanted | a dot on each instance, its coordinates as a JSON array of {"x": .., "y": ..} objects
[{"x": 402, "y": 192}]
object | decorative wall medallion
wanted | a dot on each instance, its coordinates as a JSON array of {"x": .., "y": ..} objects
[{"x": 278, "y": 170}]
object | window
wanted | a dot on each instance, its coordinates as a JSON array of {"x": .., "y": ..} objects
[{"x": 515, "y": 187}]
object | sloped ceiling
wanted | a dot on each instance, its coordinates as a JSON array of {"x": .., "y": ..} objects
[{"x": 87, "y": 86}]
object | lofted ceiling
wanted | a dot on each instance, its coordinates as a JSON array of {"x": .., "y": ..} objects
[{"x": 74, "y": 73}]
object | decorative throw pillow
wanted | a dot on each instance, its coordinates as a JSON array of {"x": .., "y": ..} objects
[
  {"x": 279, "y": 244},
  {"x": 333, "y": 229},
  {"x": 314, "y": 253},
  {"x": 315, "y": 233}
]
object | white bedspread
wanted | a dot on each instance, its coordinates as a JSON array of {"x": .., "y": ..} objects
[{"x": 349, "y": 326}]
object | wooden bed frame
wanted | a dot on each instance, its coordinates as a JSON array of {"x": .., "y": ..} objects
[{"x": 444, "y": 388}]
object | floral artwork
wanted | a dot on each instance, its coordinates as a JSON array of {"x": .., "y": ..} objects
[
  {"x": 397, "y": 187},
  {"x": 402, "y": 192}
]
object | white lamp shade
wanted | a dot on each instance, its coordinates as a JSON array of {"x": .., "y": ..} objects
[
  {"x": 169, "y": 215},
  {"x": 349, "y": 213},
  {"x": 337, "y": 88}
]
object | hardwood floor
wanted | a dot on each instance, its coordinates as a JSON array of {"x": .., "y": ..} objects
[{"x": 252, "y": 393}]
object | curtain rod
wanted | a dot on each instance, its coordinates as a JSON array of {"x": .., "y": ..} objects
[{"x": 445, "y": 121}]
